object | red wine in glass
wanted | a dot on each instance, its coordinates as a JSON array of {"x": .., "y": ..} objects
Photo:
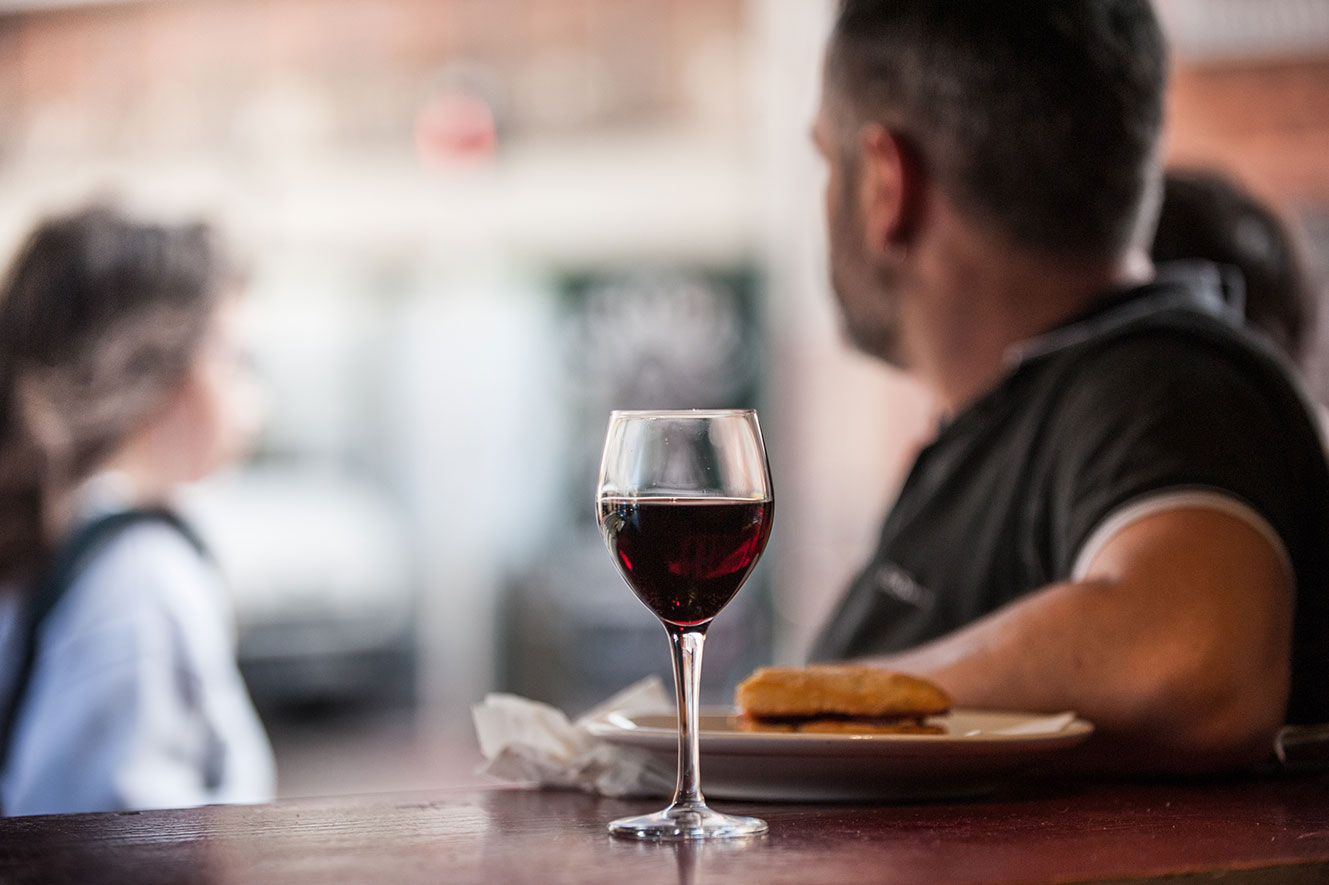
[
  {"x": 685, "y": 558},
  {"x": 685, "y": 505}
]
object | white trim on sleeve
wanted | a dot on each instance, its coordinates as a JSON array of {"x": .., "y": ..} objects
[{"x": 1176, "y": 499}]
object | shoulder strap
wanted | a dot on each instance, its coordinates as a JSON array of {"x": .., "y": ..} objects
[{"x": 59, "y": 575}]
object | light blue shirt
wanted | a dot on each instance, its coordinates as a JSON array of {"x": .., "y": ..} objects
[{"x": 135, "y": 700}]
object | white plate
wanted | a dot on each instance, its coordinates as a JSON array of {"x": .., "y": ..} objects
[{"x": 980, "y": 750}]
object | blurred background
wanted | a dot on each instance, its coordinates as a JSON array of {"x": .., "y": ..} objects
[{"x": 472, "y": 228}]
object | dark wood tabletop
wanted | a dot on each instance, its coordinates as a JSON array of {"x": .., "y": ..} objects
[{"x": 1247, "y": 830}]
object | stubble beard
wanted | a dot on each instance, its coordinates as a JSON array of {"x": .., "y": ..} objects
[
  {"x": 877, "y": 338},
  {"x": 866, "y": 296}
]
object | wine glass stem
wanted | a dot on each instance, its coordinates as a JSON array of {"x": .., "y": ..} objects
[{"x": 687, "y": 643}]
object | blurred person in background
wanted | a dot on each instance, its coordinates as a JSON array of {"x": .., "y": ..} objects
[
  {"x": 1207, "y": 215},
  {"x": 121, "y": 377},
  {"x": 1126, "y": 510}
]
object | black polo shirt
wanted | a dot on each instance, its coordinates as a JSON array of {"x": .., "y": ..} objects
[{"x": 1156, "y": 398}]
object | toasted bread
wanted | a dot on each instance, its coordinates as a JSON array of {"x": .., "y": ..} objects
[{"x": 838, "y": 690}]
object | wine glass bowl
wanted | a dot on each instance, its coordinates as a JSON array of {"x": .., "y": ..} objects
[{"x": 685, "y": 506}]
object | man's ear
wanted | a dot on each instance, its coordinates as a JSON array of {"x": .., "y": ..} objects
[{"x": 891, "y": 190}]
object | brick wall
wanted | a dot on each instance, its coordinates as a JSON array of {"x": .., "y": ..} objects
[
  {"x": 1267, "y": 123},
  {"x": 140, "y": 65}
]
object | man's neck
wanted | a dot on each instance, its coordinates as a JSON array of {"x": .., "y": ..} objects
[{"x": 983, "y": 297}]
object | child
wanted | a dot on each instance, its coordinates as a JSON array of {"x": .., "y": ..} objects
[{"x": 120, "y": 378}]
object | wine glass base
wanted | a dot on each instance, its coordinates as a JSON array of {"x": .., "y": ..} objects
[{"x": 678, "y": 823}]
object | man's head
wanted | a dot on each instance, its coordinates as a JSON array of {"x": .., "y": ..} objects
[{"x": 1038, "y": 121}]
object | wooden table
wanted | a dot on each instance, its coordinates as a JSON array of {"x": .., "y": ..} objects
[{"x": 1252, "y": 831}]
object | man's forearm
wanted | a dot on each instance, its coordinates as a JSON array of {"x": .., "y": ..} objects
[
  {"x": 1035, "y": 655},
  {"x": 1179, "y": 656}
]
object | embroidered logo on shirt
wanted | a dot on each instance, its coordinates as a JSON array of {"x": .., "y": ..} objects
[{"x": 895, "y": 582}]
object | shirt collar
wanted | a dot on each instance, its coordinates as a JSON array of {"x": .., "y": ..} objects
[{"x": 1181, "y": 285}]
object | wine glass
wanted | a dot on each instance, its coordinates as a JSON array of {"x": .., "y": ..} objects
[{"x": 685, "y": 506}]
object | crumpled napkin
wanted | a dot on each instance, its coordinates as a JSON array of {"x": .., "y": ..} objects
[{"x": 531, "y": 742}]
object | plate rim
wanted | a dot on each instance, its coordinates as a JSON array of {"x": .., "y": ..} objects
[{"x": 601, "y": 726}]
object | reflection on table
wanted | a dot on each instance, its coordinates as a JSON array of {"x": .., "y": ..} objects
[{"x": 1246, "y": 830}]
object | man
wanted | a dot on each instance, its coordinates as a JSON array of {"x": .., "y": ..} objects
[{"x": 1126, "y": 510}]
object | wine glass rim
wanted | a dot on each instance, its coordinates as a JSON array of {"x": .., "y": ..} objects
[{"x": 674, "y": 414}]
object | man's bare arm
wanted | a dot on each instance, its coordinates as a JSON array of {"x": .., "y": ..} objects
[{"x": 1177, "y": 645}]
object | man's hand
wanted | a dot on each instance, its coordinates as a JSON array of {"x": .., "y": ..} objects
[{"x": 1176, "y": 645}]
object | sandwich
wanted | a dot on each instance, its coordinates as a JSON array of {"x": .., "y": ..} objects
[{"x": 838, "y": 699}]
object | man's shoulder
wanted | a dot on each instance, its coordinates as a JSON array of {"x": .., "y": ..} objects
[
  {"x": 1173, "y": 360},
  {"x": 1178, "y": 336}
]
